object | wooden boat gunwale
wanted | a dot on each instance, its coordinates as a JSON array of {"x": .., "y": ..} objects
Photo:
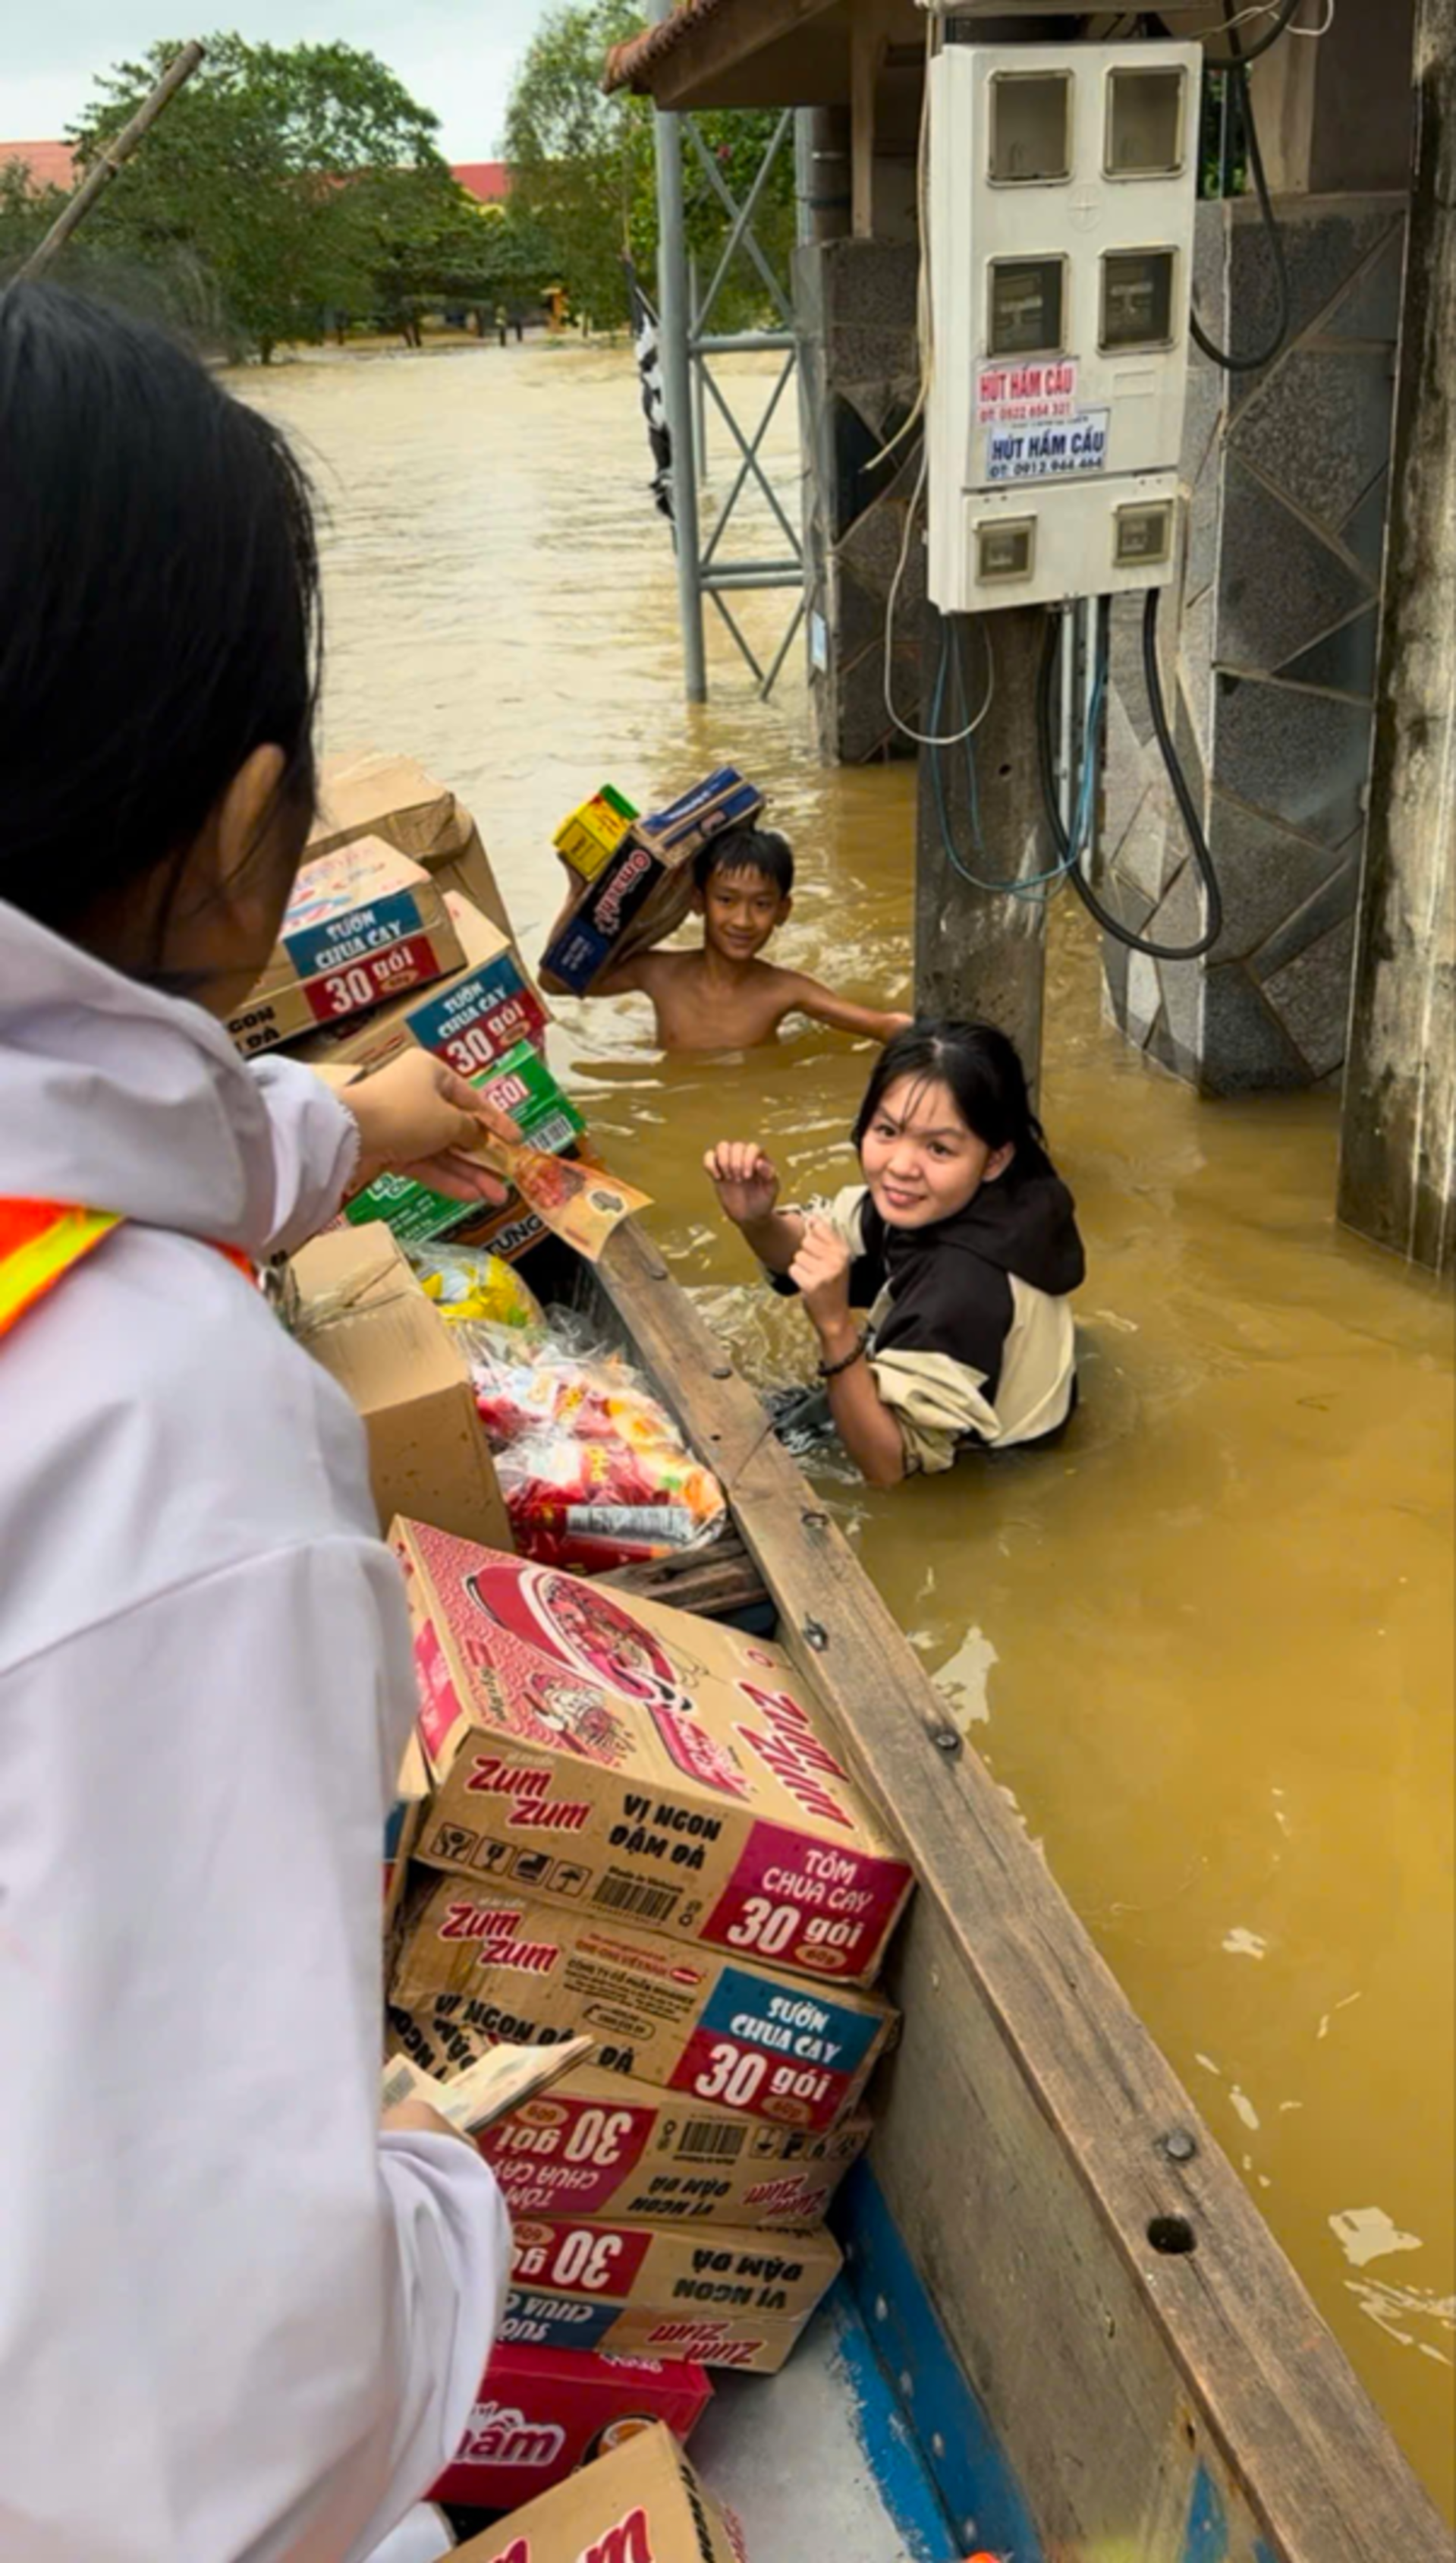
[{"x": 1188, "y": 2406}]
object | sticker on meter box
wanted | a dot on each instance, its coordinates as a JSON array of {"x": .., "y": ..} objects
[
  {"x": 1055, "y": 449},
  {"x": 1019, "y": 394}
]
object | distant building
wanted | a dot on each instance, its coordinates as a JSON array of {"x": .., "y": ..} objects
[
  {"x": 488, "y": 181},
  {"x": 51, "y": 164}
]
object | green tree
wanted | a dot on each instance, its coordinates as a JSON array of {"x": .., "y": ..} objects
[
  {"x": 437, "y": 249},
  {"x": 26, "y": 213},
  {"x": 280, "y": 175},
  {"x": 582, "y": 167}
]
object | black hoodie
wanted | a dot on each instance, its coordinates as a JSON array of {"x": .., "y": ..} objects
[{"x": 971, "y": 1338}]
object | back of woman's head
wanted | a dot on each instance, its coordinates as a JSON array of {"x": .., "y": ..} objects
[
  {"x": 158, "y": 602},
  {"x": 984, "y": 1072}
]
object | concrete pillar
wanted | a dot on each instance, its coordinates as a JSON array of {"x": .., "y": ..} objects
[
  {"x": 1397, "y": 1165},
  {"x": 1334, "y": 116},
  {"x": 859, "y": 367},
  {"x": 822, "y": 173},
  {"x": 980, "y": 955}
]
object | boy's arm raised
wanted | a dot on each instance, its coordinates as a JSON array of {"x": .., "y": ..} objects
[{"x": 806, "y": 997}]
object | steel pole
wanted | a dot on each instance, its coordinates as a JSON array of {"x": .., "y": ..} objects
[
  {"x": 673, "y": 325},
  {"x": 699, "y": 396}
]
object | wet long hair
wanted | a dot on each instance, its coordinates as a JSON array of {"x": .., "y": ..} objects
[
  {"x": 984, "y": 1072},
  {"x": 159, "y": 611}
]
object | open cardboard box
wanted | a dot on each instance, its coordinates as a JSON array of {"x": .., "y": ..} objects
[
  {"x": 677, "y": 1762},
  {"x": 642, "y": 2504},
  {"x": 363, "y": 1316},
  {"x": 395, "y": 798}
]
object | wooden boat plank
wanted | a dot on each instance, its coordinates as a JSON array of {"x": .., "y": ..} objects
[
  {"x": 717, "y": 1582},
  {"x": 1113, "y": 2373}
]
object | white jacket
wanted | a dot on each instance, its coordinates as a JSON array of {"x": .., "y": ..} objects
[{"x": 235, "y": 2321}]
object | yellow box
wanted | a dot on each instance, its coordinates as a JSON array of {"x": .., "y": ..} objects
[{"x": 591, "y": 835}]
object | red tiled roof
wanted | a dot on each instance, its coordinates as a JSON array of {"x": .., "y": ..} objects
[
  {"x": 51, "y": 164},
  {"x": 488, "y": 181},
  {"x": 627, "y": 62}
]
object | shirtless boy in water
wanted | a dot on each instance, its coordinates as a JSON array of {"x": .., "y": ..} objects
[{"x": 724, "y": 997}]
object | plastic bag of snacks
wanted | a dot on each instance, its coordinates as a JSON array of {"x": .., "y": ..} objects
[
  {"x": 592, "y": 1470},
  {"x": 471, "y": 1287}
]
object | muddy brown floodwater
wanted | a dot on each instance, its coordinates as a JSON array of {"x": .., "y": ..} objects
[{"x": 1206, "y": 1647}]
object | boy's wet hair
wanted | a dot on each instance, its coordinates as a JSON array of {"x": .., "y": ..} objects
[
  {"x": 158, "y": 602},
  {"x": 746, "y": 850}
]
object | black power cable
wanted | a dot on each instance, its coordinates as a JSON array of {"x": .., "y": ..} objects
[
  {"x": 1046, "y": 760},
  {"x": 1242, "y": 55},
  {"x": 1237, "y": 69}
]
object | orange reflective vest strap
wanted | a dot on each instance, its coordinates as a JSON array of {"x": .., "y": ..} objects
[{"x": 41, "y": 1242}]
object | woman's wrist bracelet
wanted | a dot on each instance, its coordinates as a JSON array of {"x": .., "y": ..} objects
[{"x": 832, "y": 1369}]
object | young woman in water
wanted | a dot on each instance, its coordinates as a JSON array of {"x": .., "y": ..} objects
[
  {"x": 961, "y": 1242},
  {"x": 236, "y": 2316}
]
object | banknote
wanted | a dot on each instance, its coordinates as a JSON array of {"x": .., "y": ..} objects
[
  {"x": 490, "y": 2088},
  {"x": 581, "y": 1204}
]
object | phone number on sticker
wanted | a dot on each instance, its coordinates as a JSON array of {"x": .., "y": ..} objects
[{"x": 1055, "y": 449}]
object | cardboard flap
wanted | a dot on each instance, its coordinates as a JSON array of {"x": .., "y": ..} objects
[
  {"x": 361, "y": 1314},
  {"x": 393, "y": 796},
  {"x": 642, "y": 2504}
]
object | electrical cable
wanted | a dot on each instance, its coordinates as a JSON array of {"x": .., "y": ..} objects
[
  {"x": 1265, "y": 9},
  {"x": 1035, "y": 889},
  {"x": 1244, "y": 104},
  {"x": 1192, "y": 824},
  {"x": 926, "y": 738},
  {"x": 1242, "y": 55}
]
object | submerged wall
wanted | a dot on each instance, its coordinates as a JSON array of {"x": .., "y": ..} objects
[{"x": 1275, "y": 660}]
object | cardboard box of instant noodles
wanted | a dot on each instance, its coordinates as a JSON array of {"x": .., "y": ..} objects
[
  {"x": 594, "y": 2146},
  {"x": 642, "y": 2504},
  {"x": 729, "y": 2298},
  {"x": 364, "y": 925},
  {"x": 542, "y": 2413},
  {"x": 646, "y": 1765},
  {"x": 489, "y": 1964},
  {"x": 472, "y": 1020}
]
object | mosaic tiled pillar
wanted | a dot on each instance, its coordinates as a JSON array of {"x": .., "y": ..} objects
[
  {"x": 1269, "y": 659},
  {"x": 854, "y": 305}
]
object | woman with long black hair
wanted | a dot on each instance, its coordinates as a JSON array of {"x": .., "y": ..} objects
[
  {"x": 961, "y": 1242},
  {"x": 239, "y": 2323}
]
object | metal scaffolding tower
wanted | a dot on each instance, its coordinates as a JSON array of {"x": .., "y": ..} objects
[{"x": 688, "y": 345}]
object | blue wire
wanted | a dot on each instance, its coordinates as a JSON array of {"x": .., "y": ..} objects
[{"x": 1037, "y": 887}]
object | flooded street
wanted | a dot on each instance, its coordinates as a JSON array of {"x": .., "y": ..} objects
[{"x": 1206, "y": 1644}]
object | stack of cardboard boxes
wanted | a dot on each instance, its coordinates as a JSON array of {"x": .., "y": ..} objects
[
  {"x": 396, "y": 936},
  {"x": 635, "y": 1827}
]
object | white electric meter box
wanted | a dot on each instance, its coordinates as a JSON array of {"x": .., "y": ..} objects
[{"x": 1062, "y": 185}]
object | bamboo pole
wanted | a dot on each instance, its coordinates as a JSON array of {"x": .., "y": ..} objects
[{"x": 105, "y": 170}]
